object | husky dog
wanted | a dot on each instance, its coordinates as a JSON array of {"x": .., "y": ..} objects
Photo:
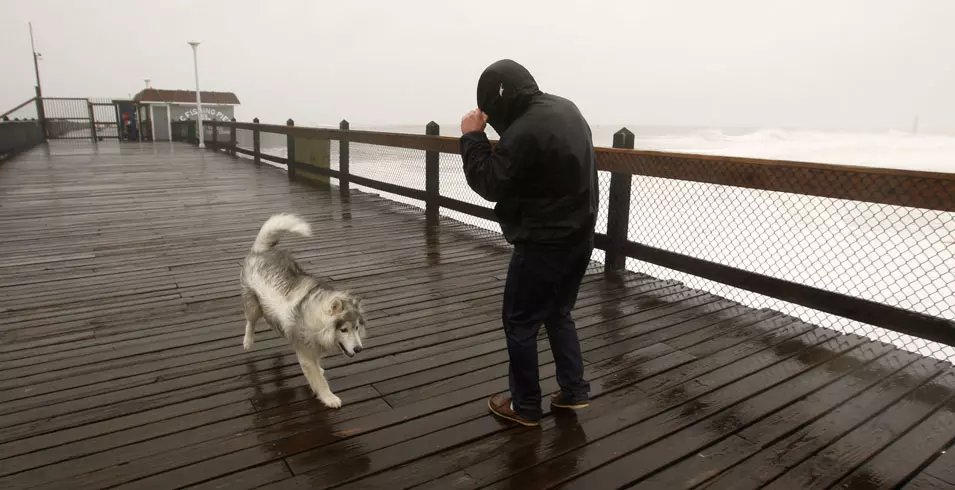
[{"x": 315, "y": 320}]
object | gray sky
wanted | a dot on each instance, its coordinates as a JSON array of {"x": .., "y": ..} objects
[{"x": 848, "y": 64}]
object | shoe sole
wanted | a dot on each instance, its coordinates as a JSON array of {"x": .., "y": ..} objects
[
  {"x": 525, "y": 423},
  {"x": 576, "y": 406}
]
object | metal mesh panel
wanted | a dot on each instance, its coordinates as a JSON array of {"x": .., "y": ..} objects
[
  {"x": 335, "y": 150},
  {"x": 243, "y": 139},
  {"x": 67, "y": 118},
  {"x": 222, "y": 136},
  {"x": 455, "y": 185},
  {"x": 104, "y": 116},
  {"x": 271, "y": 143},
  {"x": 603, "y": 181},
  {"x": 399, "y": 166},
  {"x": 900, "y": 256}
]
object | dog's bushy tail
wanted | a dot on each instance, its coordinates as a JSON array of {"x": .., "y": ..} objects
[{"x": 275, "y": 226}]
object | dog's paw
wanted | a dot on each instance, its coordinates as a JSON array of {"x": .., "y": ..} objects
[
  {"x": 331, "y": 401},
  {"x": 247, "y": 342}
]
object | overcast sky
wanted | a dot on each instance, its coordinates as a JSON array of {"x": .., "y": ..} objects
[{"x": 849, "y": 64}]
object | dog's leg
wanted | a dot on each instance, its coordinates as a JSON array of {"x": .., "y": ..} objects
[
  {"x": 316, "y": 380},
  {"x": 253, "y": 311}
]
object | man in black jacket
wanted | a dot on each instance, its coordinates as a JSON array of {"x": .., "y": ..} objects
[{"x": 543, "y": 178}]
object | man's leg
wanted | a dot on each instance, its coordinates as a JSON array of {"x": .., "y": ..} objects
[
  {"x": 562, "y": 332},
  {"x": 528, "y": 296}
]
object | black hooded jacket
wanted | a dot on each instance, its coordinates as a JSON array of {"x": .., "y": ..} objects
[{"x": 542, "y": 173}]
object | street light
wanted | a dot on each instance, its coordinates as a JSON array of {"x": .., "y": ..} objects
[
  {"x": 195, "y": 65},
  {"x": 40, "y": 111}
]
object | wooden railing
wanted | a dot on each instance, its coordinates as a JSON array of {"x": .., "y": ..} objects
[{"x": 910, "y": 189}]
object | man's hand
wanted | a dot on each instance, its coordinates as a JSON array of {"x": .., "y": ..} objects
[{"x": 475, "y": 120}]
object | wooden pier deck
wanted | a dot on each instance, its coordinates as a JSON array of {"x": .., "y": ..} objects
[{"x": 121, "y": 363}]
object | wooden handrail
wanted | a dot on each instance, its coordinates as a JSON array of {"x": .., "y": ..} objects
[{"x": 910, "y": 188}]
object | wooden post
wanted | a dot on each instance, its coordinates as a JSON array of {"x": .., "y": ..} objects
[
  {"x": 343, "y": 176},
  {"x": 256, "y": 147},
  {"x": 89, "y": 109},
  {"x": 232, "y": 138},
  {"x": 432, "y": 172},
  {"x": 618, "y": 209},
  {"x": 290, "y": 151}
]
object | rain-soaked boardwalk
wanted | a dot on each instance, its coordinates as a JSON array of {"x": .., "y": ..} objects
[{"x": 121, "y": 362}]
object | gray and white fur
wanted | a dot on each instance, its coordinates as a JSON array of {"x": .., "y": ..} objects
[{"x": 315, "y": 320}]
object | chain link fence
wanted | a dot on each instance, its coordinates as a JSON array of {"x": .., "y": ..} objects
[
  {"x": 861, "y": 233},
  {"x": 399, "y": 166},
  {"x": 454, "y": 185}
]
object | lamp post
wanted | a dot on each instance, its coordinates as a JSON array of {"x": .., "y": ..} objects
[
  {"x": 40, "y": 111},
  {"x": 195, "y": 64}
]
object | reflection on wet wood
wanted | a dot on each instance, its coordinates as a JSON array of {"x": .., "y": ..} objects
[{"x": 120, "y": 342}]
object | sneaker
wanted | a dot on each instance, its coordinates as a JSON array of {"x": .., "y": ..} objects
[
  {"x": 500, "y": 405},
  {"x": 560, "y": 401}
]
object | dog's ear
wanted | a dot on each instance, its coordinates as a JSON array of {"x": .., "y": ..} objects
[
  {"x": 336, "y": 307},
  {"x": 358, "y": 301}
]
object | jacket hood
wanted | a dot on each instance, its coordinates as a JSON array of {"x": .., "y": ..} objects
[{"x": 504, "y": 91}]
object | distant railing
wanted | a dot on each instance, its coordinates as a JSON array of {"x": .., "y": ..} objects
[
  {"x": 18, "y": 136},
  {"x": 823, "y": 237},
  {"x": 184, "y": 131},
  {"x": 7, "y": 115},
  {"x": 77, "y": 118}
]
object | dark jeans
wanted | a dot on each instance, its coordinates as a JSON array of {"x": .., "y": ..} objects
[{"x": 542, "y": 285}]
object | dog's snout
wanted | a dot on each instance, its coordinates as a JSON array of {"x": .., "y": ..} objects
[{"x": 357, "y": 349}]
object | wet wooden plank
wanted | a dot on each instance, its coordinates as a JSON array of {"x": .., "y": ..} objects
[
  {"x": 522, "y": 445},
  {"x": 943, "y": 467},
  {"x": 854, "y": 448},
  {"x": 648, "y": 425},
  {"x": 121, "y": 333},
  {"x": 325, "y": 467},
  {"x": 897, "y": 462},
  {"x": 447, "y": 419},
  {"x": 618, "y": 387},
  {"x": 782, "y": 450},
  {"x": 690, "y": 440},
  {"x": 334, "y": 372},
  {"x": 177, "y": 450},
  {"x": 860, "y": 388},
  {"x": 925, "y": 481},
  {"x": 440, "y": 380},
  {"x": 247, "y": 479}
]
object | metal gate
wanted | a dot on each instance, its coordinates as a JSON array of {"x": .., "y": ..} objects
[
  {"x": 105, "y": 119},
  {"x": 80, "y": 118}
]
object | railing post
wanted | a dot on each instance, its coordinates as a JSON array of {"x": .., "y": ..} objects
[
  {"x": 618, "y": 209},
  {"x": 290, "y": 150},
  {"x": 343, "y": 175},
  {"x": 89, "y": 110},
  {"x": 432, "y": 172},
  {"x": 256, "y": 148},
  {"x": 232, "y": 142},
  {"x": 40, "y": 111}
]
